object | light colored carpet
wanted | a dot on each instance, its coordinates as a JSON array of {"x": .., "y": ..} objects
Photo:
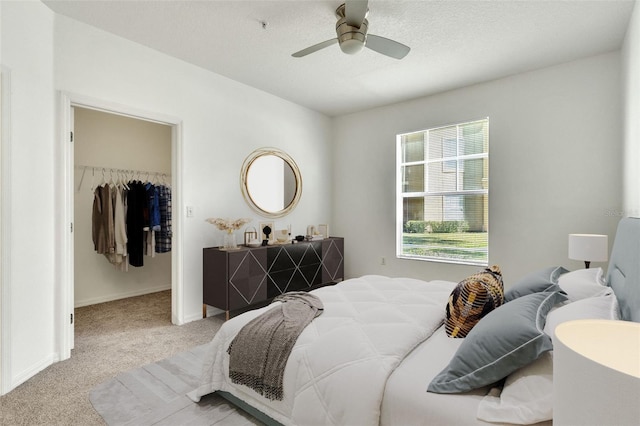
[{"x": 110, "y": 338}]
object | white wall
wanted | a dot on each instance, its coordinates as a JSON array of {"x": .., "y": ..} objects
[
  {"x": 27, "y": 53},
  {"x": 113, "y": 141},
  {"x": 555, "y": 157},
  {"x": 631, "y": 99}
]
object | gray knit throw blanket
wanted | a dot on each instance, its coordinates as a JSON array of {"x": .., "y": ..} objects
[{"x": 259, "y": 352}]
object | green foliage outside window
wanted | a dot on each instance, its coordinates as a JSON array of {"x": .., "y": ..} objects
[{"x": 439, "y": 227}]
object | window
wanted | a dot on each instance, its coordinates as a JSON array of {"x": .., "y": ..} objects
[{"x": 443, "y": 194}]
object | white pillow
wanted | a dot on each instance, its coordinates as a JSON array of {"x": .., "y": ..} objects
[
  {"x": 527, "y": 394},
  {"x": 526, "y": 398},
  {"x": 604, "y": 306},
  {"x": 582, "y": 283}
]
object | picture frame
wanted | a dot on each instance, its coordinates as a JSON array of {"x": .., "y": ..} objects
[
  {"x": 323, "y": 229},
  {"x": 261, "y": 226}
]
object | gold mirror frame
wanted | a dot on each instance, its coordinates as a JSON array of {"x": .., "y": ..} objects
[{"x": 246, "y": 166}]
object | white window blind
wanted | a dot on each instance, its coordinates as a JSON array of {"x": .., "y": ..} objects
[{"x": 443, "y": 193}]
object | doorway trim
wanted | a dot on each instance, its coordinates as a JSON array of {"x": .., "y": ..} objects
[
  {"x": 65, "y": 184},
  {"x": 5, "y": 231}
]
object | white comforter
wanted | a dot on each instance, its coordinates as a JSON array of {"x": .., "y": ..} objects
[{"x": 338, "y": 369}]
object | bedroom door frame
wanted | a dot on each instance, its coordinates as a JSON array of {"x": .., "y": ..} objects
[
  {"x": 5, "y": 230},
  {"x": 65, "y": 248}
]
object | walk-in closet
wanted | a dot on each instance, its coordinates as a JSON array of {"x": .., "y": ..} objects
[{"x": 121, "y": 153}]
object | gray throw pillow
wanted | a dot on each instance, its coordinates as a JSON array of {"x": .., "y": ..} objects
[
  {"x": 535, "y": 282},
  {"x": 505, "y": 340}
]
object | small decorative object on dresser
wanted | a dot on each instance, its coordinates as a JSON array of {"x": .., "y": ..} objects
[
  {"x": 323, "y": 230},
  {"x": 229, "y": 226},
  {"x": 282, "y": 235},
  {"x": 266, "y": 232},
  {"x": 317, "y": 233},
  {"x": 250, "y": 236},
  {"x": 311, "y": 229}
]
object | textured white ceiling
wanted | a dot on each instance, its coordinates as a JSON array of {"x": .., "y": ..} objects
[{"x": 453, "y": 43}]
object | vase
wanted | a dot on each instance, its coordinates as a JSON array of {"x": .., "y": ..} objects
[{"x": 229, "y": 241}]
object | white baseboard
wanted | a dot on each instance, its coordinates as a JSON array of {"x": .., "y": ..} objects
[
  {"x": 118, "y": 296},
  {"x": 211, "y": 311},
  {"x": 25, "y": 375},
  {"x": 191, "y": 318}
]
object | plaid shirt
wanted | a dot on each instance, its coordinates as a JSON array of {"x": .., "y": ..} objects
[{"x": 163, "y": 237}]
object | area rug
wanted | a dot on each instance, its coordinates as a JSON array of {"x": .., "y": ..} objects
[{"x": 156, "y": 395}]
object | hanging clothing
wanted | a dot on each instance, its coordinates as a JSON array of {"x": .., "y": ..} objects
[
  {"x": 98, "y": 233},
  {"x": 109, "y": 216},
  {"x": 163, "y": 236},
  {"x": 153, "y": 206},
  {"x": 120, "y": 223},
  {"x": 128, "y": 224},
  {"x": 150, "y": 242},
  {"x": 119, "y": 219},
  {"x": 137, "y": 216},
  {"x": 102, "y": 221}
]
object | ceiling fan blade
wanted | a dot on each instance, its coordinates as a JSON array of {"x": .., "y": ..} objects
[
  {"x": 355, "y": 12},
  {"x": 387, "y": 47},
  {"x": 314, "y": 48}
]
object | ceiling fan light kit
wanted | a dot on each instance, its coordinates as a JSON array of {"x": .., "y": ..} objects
[{"x": 352, "y": 37}]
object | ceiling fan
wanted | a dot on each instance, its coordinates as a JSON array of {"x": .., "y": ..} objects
[{"x": 351, "y": 29}]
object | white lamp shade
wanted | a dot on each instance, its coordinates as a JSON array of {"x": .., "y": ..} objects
[
  {"x": 596, "y": 373},
  {"x": 589, "y": 247}
]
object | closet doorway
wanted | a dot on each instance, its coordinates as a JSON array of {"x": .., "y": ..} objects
[
  {"x": 111, "y": 152},
  {"x": 5, "y": 264},
  {"x": 106, "y": 142}
]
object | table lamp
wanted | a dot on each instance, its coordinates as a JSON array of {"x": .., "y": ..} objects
[
  {"x": 596, "y": 373},
  {"x": 588, "y": 248}
]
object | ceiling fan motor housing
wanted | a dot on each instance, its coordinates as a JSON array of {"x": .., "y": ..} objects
[{"x": 351, "y": 39}]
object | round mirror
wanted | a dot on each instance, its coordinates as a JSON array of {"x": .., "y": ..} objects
[{"x": 271, "y": 182}]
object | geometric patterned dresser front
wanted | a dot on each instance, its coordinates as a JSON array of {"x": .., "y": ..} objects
[{"x": 237, "y": 279}]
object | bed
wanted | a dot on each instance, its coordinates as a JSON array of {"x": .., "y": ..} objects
[{"x": 380, "y": 354}]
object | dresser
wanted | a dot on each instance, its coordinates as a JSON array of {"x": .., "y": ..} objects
[{"x": 238, "y": 279}]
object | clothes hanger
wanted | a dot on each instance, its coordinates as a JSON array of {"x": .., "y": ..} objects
[
  {"x": 84, "y": 170},
  {"x": 121, "y": 179}
]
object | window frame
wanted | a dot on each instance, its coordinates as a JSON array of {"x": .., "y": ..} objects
[{"x": 445, "y": 169}]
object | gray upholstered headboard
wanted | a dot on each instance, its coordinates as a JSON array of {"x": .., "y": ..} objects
[{"x": 624, "y": 268}]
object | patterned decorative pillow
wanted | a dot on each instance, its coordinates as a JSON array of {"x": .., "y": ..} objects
[{"x": 472, "y": 299}]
